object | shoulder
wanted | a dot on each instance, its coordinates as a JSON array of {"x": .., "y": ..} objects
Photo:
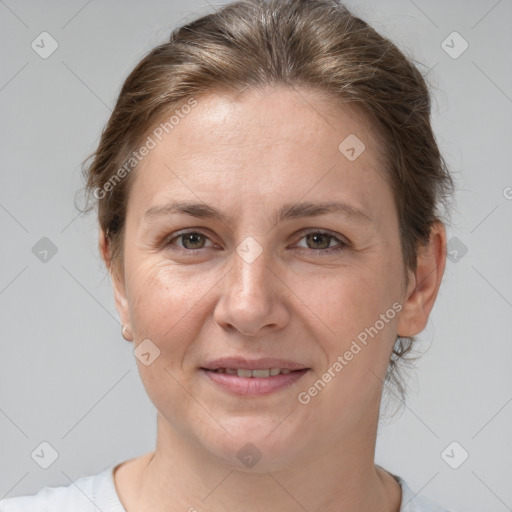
[
  {"x": 88, "y": 493},
  {"x": 414, "y": 502}
]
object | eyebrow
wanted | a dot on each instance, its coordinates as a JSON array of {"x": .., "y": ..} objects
[{"x": 287, "y": 211}]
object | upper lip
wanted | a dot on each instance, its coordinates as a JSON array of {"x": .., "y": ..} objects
[{"x": 252, "y": 364}]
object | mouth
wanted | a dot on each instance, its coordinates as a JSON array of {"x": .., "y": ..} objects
[
  {"x": 254, "y": 373},
  {"x": 253, "y": 378}
]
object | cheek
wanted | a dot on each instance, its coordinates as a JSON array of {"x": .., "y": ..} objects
[
  {"x": 164, "y": 303},
  {"x": 359, "y": 311},
  {"x": 346, "y": 303}
]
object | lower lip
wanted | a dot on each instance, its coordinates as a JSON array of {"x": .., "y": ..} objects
[{"x": 254, "y": 386}]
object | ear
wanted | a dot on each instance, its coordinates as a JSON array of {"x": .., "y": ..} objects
[
  {"x": 424, "y": 283},
  {"x": 118, "y": 281}
]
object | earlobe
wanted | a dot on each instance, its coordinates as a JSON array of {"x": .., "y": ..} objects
[
  {"x": 126, "y": 333},
  {"x": 424, "y": 283}
]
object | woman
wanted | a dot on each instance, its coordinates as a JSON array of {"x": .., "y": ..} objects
[{"x": 268, "y": 190}]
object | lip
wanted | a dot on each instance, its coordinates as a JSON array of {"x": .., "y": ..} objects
[
  {"x": 254, "y": 386},
  {"x": 252, "y": 364}
]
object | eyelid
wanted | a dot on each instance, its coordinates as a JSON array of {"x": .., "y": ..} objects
[{"x": 338, "y": 236}]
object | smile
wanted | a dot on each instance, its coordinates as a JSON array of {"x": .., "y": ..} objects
[
  {"x": 243, "y": 372},
  {"x": 248, "y": 382}
]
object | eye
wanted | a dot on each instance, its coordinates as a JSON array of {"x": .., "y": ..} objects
[
  {"x": 320, "y": 241},
  {"x": 192, "y": 240}
]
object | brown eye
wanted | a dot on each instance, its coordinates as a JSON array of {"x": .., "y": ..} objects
[
  {"x": 319, "y": 240},
  {"x": 195, "y": 240},
  {"x": 191, "y": 240}
]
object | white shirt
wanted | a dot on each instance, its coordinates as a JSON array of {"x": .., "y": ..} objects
[{"x": 98, "y": 492}]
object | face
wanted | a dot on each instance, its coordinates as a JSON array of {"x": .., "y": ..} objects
[{"x": 253, "y": 278}]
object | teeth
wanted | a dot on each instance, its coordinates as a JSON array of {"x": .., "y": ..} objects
[
  {"x": 261, "y": 373},
  {"x": 242, "y": 372}
]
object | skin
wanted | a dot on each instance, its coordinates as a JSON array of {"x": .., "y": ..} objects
[{"x": 248, "y": 155}]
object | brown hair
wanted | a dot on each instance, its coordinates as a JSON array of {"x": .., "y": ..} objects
[{"x": 257, "y": 43}]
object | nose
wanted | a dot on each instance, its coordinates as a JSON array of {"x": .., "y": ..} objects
[{"x": 253, "y": 296}]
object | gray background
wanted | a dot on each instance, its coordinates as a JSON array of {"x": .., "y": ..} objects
[{"x": 66, "y": 375}]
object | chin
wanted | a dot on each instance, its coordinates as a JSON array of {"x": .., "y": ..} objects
[{"x": 256, "y": 444}]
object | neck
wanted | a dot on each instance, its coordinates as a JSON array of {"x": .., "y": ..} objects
[{"x": 331, "y": 480}]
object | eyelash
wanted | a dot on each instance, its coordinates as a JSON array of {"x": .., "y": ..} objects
[{"x": 330, "y": 250}]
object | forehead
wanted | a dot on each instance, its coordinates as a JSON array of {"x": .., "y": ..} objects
[
  {"x": 263, "y": 143},
  {"x": 258, "y": 118}
]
